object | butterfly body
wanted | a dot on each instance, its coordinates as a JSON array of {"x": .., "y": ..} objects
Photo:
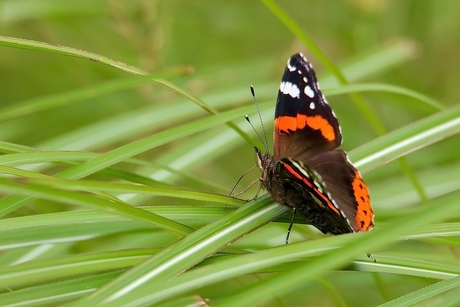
[{"x": 307, "y": 172}]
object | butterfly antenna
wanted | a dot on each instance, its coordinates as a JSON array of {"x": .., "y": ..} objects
[
  {"x": 254, "y": 129},
  {"x": 264, "y": 140}
]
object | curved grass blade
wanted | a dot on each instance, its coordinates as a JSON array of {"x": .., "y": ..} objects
[
  {"x": 189, "y": 251},
  {"x": 120, "y": 154},
  {"x": 335, "y": 252}
]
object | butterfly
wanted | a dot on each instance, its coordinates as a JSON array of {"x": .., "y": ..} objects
[{"x": 307, "y": 171}]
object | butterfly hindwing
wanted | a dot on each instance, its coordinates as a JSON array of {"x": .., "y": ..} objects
[
  {"x": 307, "y": 192},
  {"x": 346, "y": 187}
]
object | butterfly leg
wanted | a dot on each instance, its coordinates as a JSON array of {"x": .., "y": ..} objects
[
  {"x": 371, "y": 257},
  {"x": 246, "y": 189},
  {"x": 290, "y": 225},
  {"x": 257, "y": 193}
]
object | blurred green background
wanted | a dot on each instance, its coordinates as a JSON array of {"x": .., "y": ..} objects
[
  {"x": 215, "y": 50},
  {"x": 229, "y": 46}
]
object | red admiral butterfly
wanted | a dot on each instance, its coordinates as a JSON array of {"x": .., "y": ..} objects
[{"x": 307, "y": 172}]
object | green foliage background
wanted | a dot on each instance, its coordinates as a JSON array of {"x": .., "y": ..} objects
[{"x": 122, "y": 132}]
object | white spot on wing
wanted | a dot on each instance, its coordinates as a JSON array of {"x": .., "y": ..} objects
[
  {"x": 308, "y": 91},
  {"x": 290, "y": 89},
  {"x": 289, "y": 66},
  {"x": 312, "y": 105},
  {"x": 300, "y": 168},
  {"x": 318, "y": 185}
]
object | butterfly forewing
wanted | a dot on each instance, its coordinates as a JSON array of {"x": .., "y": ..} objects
[{"x": 304, "y": 122}]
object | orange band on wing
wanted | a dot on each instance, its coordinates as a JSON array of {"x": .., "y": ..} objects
[
  {"x": 317, "y": 122},
  {"x": 364, "y": 215}
]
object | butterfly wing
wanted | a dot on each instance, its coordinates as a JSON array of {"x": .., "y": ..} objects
[
  {"x": 305, "y": 190},
  {"x": 304, "y": 125},
  {"x": 346, "y": 187},
  {"x": 307, "y": 171}
]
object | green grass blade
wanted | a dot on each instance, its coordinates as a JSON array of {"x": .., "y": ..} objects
[
  {"x": 424, "y": 295},
  {"x": 64, "y": 99},
  {"x": 45, "y": 271},
  {"x": 54, "y": 294},
  {"x": 63, "y": 50},
  {"x": 337, "y": 251},
  {"x": 412, "y": 137},
  {"x": 120, "y": 154},
  {"x": 283, "y": 283},
  {"x": 379, "y": 87},
  {"x": 189, "y": 251},
  {"x": 79, "y": 199}
]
